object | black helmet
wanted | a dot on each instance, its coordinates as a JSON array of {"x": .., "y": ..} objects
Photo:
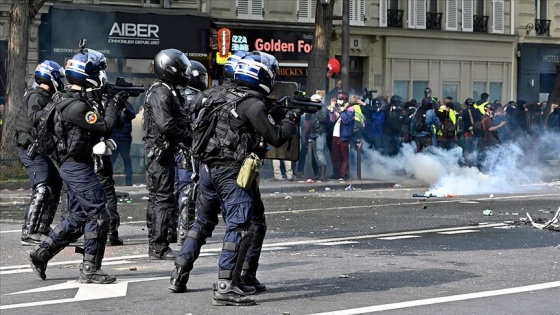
[
  {"x": 469, "y": 102},
  {"x": 199, "y": 76},
  {"x": 173, "y": 66},
  {"x": 395, "y": 99},
  {"x": 427, "y": 92}
]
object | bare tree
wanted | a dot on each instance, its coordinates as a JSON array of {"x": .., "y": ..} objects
[
  {"x": 22, "y": 13},
  {"x": 317, "y": 66}
]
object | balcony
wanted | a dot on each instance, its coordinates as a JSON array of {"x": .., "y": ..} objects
[
  {"x": 433, "y": 21},
  {"x": 542, "y": 27},
  {"x": 480, "y": 24},
  {"x": 394, "y": 18}
]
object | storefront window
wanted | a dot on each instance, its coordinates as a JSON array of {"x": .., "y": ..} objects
[
  {"x": 478, "y": 89},
  {"x": 496, "y": 91},
  {"x": 401, "y": 89},
  {"x": 418, "y": 88},
  {"x": 451, "y": 89}
]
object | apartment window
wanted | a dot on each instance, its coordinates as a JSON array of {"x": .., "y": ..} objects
[
  {"x": 418, "y": 88},
  {"x": 495, "y": 91},
  {"x": 250, "y": 9},
  {"x": 479, "y": 7},
  {"x": 400, "y": 88},
  {"x": 393, "y": 4},
  {"x": 540, "y": 7},
  {"x": 451, "y": 89},
  {"x": 306, "y": 10},
  {"x": 152, "y": 3},
  {"x": 432, "y": 6},
  {"x": 478, "y": 89},
  {"x": 357, "y": 12}
]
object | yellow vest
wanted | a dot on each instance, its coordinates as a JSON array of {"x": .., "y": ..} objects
[
  {"x": 481, "y": 107},
  {"x": 359, "y": 116}
]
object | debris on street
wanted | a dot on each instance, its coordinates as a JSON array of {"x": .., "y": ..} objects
[{"x": 552, "y": 224}]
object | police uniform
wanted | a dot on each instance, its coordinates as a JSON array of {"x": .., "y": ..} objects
[
  {"x": 42, "y": 172},
  {"x": 239, "y": 131},
  {"x": 165, "y": 127},
  {"x": 80, "y": 129}
]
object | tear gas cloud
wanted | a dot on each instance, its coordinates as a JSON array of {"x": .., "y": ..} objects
[{"x": 509, "y": 167}]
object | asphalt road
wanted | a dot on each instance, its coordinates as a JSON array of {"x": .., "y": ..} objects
[{"x": 336, "y": 252}]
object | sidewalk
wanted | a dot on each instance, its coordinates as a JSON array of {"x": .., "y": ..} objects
[{"x": 268, "y": 186}]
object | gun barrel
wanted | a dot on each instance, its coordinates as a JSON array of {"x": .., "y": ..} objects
[
  {"x": 306, "y": 106},
  {"x": 130, "y": 90}
]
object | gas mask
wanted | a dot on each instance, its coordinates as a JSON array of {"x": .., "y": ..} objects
[{"x": 340, "y": 102}]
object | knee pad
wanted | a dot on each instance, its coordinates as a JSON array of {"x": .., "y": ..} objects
[{"x": 38, "y": 207}]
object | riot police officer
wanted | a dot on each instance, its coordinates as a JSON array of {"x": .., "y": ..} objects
[
  {"x": 43, "y": 175},
  {"x": 242, "y": 128},
  {"x": 79, "y": 128},
  {"x": 185, "y": 177},
  {"x": 165, "y": 127}
]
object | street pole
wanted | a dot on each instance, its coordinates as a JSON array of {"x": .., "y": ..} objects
[{"x": 344, "y": 73}]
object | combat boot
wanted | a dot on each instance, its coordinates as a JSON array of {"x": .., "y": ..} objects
[
  {"x": 38, "y": 257},
  {"x": 247, "y": 289},
  {"x": 179, "y": 279},
  {"x": 90, "y": 274},
  {"x": 165, "y": 254},
  {"x": 225, "y": 293},
  {"x": 30, "y": 239},
  {"x": 250, "y": 279},
  {"x": 113, "y": 239}
]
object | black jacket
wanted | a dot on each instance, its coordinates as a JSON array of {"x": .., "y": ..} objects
[{"x": 29, "y": 114}]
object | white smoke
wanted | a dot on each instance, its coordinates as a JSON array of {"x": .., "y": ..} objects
[{"x": 508, "y": 167}]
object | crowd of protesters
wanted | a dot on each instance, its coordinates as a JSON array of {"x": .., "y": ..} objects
[{"x": 385, "y": 123}]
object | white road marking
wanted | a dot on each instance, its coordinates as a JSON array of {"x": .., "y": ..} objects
[
  {"x": 85, "y": 292},
  {"x": 443, "y": 299},
  {"x": 275, "y": 246},
  {"x": 459, "y": 232},
  {"x": 336, "y": 243},
  {"x": 390, "y": 238}
]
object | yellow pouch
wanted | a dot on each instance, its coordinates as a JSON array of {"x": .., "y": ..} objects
[{"x": 249, "y": 171}]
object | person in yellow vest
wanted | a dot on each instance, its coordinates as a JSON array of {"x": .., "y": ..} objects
[
  {"x": 359, "y": 118},
  {"x": 481, "y": 104},
  {"x": 446, "y": 134}
]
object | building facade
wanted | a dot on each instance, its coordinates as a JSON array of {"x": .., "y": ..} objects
[{"x": 458, "y": 48}]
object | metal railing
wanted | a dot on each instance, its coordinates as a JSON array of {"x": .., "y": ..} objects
[
  {"x": 433, "y": 21},
  {"x": 480, "y": 23},
  {"x": 542, "y": 27},
  {"x": 395, "y": 18}
]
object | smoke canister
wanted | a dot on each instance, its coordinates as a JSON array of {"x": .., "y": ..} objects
[{"x": 487, "y": 212}]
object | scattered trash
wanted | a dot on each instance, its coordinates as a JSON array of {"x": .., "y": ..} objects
[
  {"x": 145, "y": 198},
  {"x": 288, "y": 197},
  {"x": 487, "y": 212},
  {"x": 349, "y": 188},
  {"x": 451, "y": 195},
  {"x": 426, "y": 195},
  {"x": 491, "y": 196},
  {"x": 132, "y": 269},
  {"x": 343, "y": 276},
  {"x": 514, "y": 213},
  {"x": 285, "y": 313},
  {"x": 397, "y": 186},
  {"x": 425, "y": 207},
  {"x": 312, "y": 190},
  {"x": 552, "y": 224},
  {"x": 130, "y": 218},
  {"x": 18, "y": 203},
  {"x": 327, "y": 189},
  {"x": 309, "y": 181}
]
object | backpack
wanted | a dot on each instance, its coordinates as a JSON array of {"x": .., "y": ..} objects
[
  {"x": 448, "y": 128},
  {"x": 49, "y": 128},
  {"x": 419, "y": 122},
  {"x": 477, "y": 129},
  {"x": 206, "y": 110}
]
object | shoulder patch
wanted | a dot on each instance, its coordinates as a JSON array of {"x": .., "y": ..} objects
[
  {"x": 271, "y": 120},
  {"x": 91, "y": 118}
]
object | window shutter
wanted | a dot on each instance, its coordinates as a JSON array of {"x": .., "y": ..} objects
[
  {"x": 357, "y": 12},
  {"x": 242, "y": 7},
  {"x": 303, "y": 11},
  {"x": 468, "y": 11},
  {"x": 411, "y": 14},
  {"x": 312, "y": 9},
  {"x": 383, "y": 13},
  {"x": 257, "y": 9},
  {"x": 498, "y": 16},
  {"x": 451, "y": 15},
  {"x": 421, "y": 14}
]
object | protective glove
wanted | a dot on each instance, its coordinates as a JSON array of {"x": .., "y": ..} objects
[
  {"x": 294, "y": 115},
  {"x": 118, "y": 100},
  {"x": 111, "y": 144}
]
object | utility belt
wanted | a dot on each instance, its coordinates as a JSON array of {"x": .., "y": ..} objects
[{"x": 160, "y": 150}]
